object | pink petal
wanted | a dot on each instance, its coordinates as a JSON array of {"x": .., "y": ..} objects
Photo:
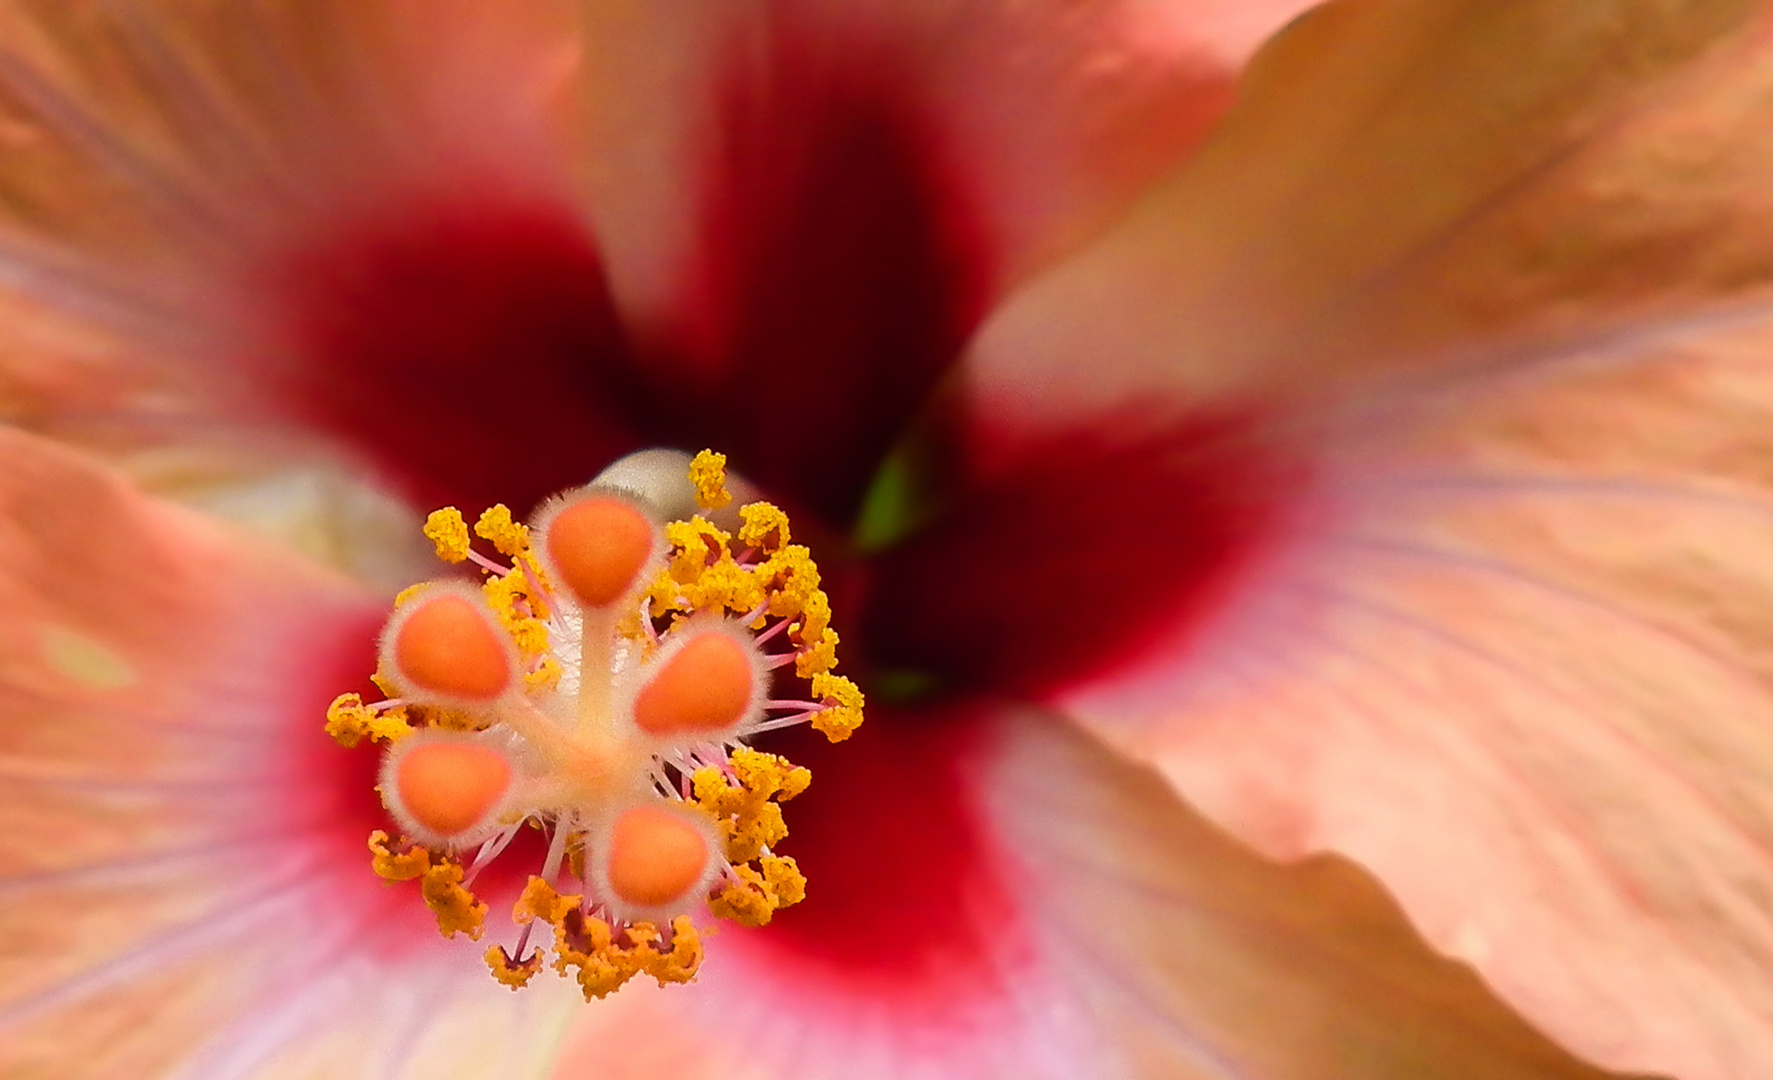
[
  {"x": 1522, "y": 676},
  {"x": 182, "y": 880}
]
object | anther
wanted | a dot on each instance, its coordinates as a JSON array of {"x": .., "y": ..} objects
[
  {"x": 704, "y": 687},
  {"x": 656, "y": 857},
  {"x": 449, "y": 787},
  {"x": 599, "y": 546},
  {"x": 448, "y": 646}
]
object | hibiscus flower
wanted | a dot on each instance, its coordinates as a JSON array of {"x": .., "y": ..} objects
[{"x": 1384, "y": 480}]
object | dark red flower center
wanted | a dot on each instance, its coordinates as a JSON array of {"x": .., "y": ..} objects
[{"x": 464, "y": 339}]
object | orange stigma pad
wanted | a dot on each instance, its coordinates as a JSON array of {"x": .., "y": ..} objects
[
  {"x": 448, "y": 787},
  {"x": 704, "y": 687},
  {"x": 600, "y": 546},
  {"x": 656, "y": 856},
  {"x": 448, "y": 646}
]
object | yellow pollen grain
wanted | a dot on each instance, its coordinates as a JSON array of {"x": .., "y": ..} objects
[
  {"x": 725, "y": 586},
  {"x": 750, "y": 901},
  {"x": 783, "y": 876},
  {"x": 771, "y": 773},
  {"x": 530, "y": 636},
  {"x": 792, "y": 580},
  {"x": 546, "y": 676},
  {"x": 707, "y": 472},
  {"x": 448, "y": 533},
  {"x": 685, "y": 958},
  {"x": 509, "y": 972},
  {"x": 749, "y": 811},
  {"x": 815, "y": 617},
  {"x": 843, "y": 700},
  {"x": 818, "y": 656},
  {"x": 604, "y": 961},
  {"x": 699, "y": 543},
  {"x": 349, "y": 721},
  {"x": 457, "y": 910},
  {"x": 509, "y": 596},
  {"x": 497, "y": 527},
  {"x": 539, "y": 901},
  {"x": 451, "y": 719},
  {"x": 763, "y": 526},
  {"x": 395, "y": 866},
  {"x": 751, "y": 835}
]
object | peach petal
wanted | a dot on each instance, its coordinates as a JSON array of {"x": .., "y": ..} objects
[
  {"x": 1196, "y": 957},
  {"x": 1525, "y": 679},
  {"x": 155, "y": 156},
  {"x": 1402, "y": 183}
]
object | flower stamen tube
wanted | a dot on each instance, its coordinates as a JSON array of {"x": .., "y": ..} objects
[{"x": 601, "y": 688}]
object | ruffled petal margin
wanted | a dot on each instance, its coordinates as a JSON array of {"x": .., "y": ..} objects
[{"x": 1404, "y": 185}]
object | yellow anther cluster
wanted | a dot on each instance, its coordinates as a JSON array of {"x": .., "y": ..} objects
[
  {"x": 593, "y": 954},
  {"x": 708, "y": 473},
  {"x": 546, "y": 676},
  {"x": 513, "y": 973},
  {"x": 818, "y": 657},
  {"x": 605, "y": 961},
  {"x": 440, "y": 883},
  {"x": 540, "y": 901},
  {"x": 748, "y": 808},
  {"x": 763, "y": 526},
  {"x": 349, "y": 721},
  {"x": 791, "y": 581},
  {"x": 775, "y": 883},
  {"x": 514, "y": 600},
  {"x": 843, "y": 706},
  {"x": 390, "y": 865},
  {"x": 457, "y": 909},
  {"x": 704, "y": 574},
  {"x": 409, "y": 715},
  {"x": 448, "y": 533},
  {"x": 498, "y": 528}
]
